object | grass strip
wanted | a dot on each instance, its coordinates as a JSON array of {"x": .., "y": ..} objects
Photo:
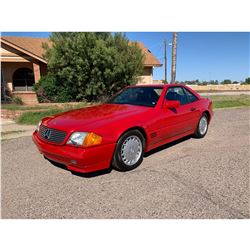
[{"x": 32, "y": 118}]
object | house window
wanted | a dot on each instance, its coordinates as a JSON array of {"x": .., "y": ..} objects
[{"x": 23, "y": 79}]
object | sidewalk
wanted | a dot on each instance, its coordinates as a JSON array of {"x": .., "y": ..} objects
[{"x": 11, "y": 130}]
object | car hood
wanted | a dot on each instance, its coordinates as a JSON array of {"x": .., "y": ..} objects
[{"x": 86, "y": 119}]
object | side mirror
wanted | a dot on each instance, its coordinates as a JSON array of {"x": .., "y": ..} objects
[{"x": 171, "y": 104}]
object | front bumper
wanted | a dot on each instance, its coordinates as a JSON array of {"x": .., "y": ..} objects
[{"x": 77, "y": 159}]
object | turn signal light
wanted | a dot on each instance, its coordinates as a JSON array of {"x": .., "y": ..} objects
[{"x": 92, "y": 139}]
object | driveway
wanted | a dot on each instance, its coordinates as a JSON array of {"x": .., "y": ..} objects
[{"x": 194, "y": 178}]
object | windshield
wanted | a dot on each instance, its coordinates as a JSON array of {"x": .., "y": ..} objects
[{"x": 142, "y": 96}]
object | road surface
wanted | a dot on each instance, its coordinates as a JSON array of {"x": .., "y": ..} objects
[{"x": 194, "y": 178}]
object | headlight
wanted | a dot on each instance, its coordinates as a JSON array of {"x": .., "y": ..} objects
[
  {"x": 38, "y": 126},
  {"x": 84, "y": 139}
]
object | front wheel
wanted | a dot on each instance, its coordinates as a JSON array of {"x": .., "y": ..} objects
[
  {"x": 202, "y": 127},
  {"x": 129, "y": 151}
]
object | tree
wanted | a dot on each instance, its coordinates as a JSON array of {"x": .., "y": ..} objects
[
  {"x": 227, "y": 81},
  {"x": 247, "y": 81},
  {"x": 213, "y": 82},
  {"x": 174, "y": 54},
  {"x": 89, "y": 66}
]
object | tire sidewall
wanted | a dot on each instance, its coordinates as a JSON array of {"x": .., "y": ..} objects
[
  {"x": 198, "y": 133},
  {"x": 117, "y": 155}
]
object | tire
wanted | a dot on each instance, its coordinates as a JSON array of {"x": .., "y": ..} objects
[
  {"x": 129, "y": 151},
  {"x": 202, "y": 126}
]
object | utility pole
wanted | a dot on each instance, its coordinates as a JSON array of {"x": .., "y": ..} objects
[
  {"x": 165, "y": 59},
  {"x": 174, "y": 53}
]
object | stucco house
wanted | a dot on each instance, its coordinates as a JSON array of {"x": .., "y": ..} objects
[{"x": 22, "y": 65}]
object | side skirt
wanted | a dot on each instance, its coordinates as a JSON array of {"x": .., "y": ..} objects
[{"x": 168, "y": 140}]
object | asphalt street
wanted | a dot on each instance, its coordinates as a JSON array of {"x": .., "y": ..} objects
[{"x": 193, "y": 178}]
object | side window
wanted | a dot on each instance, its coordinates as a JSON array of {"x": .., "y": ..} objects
[
  {"x": 176, "y": 94},
  {"x": 191, "y": 97}
]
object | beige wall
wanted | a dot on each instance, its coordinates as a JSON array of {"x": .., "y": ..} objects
[
  {"x": 147, "y": 76},
  {"x": 28, "y": 97},
  {"x": 12, "y": 59},
  {"x": 223, "y": 87},
  {"x": 8, "y": 54},
  {"x": 8, "y": 69}
]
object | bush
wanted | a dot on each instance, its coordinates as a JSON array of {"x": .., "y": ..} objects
[
  {"x": 88, "y": 66},
  {"x": 247, "y": 81},
  {"x": 227, "y": 81},
  {"x": 49, "y": 89},
  {"x": 212, "y": 82},
  {"x": 17, "y": 100}
]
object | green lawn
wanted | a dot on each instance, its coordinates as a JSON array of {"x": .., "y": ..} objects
[
  {"x": 230, "y": 101},
  {"x": 34, "y": 117},
  {"x": 41, "y": 107},
  {"x": 23, "y": 107}
]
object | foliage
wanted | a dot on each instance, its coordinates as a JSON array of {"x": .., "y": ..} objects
[
  {"x": 17, "y": 100},
  {"x": 214, "y": 82},
  {"x": 247, "y": 81},
  {"x": 227, "y": 81},
  {"x": 88, "y": 66},
  {"x": 203, "y": 83},
  {"x": 49, "y": 89}
]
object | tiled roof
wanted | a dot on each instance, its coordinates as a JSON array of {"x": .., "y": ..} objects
[
  {"x": 150, "y": 59},
  {"x": 29, "y": 44},
  {"x": 34, "y": 46}
]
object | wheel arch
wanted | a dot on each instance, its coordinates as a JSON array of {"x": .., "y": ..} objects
[
  {"x": 208, "y": 115},
  {"x": 140, "y": 129}
]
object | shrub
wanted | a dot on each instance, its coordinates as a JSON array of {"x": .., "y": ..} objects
[
  {"x": 213, "y": 82},
  {"x": 227, "y": 81},
  {"x": 49, "y": 89},
  {"x": 247, "y": 81},
  {"x": 17, "y": 100},
  {"x": 88, "y": 66}
]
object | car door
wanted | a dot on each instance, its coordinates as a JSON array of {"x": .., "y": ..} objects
[
  {"x": 175, "y": 122},
  {"x": 193, "y": 106}
]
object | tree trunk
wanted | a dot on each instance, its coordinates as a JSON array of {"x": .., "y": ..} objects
[{"x": 174, "y": 46}]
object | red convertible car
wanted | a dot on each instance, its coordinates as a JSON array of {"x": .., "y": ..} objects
[{"x": 118, "y": 133}]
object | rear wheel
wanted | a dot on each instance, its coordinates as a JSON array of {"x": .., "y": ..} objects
[
  {"x": 129, "y": 151},
  {"x": 202, "y": 127}
]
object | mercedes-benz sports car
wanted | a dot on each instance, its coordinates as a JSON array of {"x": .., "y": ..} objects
[{"x": 118, "y": 133}]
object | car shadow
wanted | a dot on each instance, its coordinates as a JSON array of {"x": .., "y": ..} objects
[
  {"x": 166, "y": 146},
  {"x": 109, "y": 170},
  {"x": 85, "y": 175},
  {"x": 92, "y": 174}
]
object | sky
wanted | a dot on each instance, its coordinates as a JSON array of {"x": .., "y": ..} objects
[{"x": 200, "y": 55}]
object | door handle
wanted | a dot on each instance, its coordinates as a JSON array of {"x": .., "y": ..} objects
[{"x": 192, "y": 109}]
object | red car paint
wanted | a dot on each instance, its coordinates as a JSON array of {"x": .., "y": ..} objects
[{"x": 159, "y": 124}]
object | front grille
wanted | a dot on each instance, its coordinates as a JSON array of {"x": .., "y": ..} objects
[{"x": 52, "y": 135}]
